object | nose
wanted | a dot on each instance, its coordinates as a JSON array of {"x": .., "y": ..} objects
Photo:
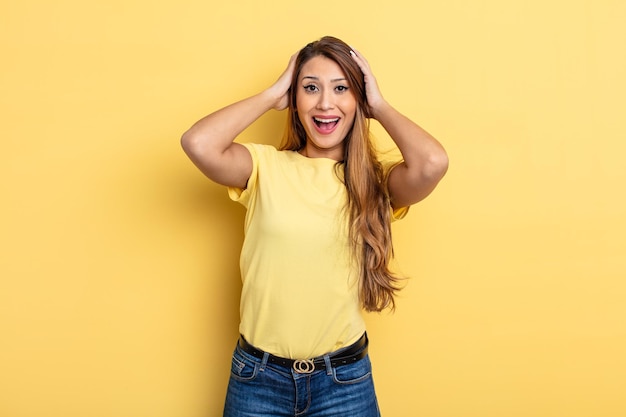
[{"x": 325, "y": 101}]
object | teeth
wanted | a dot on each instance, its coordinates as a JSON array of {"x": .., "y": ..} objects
[{"x": 326, "y": 120}]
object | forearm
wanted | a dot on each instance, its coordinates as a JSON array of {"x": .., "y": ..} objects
[
  {"x": 209, "y": 143},
  {"x": 425, "y": 160},
  {"x": 217, "y": 131},
  {"x": 423, "y": 155}
]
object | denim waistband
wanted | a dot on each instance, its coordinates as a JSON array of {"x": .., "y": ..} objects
[{"x": 344, "y": 356}]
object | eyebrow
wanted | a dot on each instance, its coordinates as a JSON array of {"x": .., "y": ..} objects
[{"x": 312, "y": 77}]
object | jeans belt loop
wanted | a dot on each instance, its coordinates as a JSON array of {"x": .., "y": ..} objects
[
  {"x": 329, "y": 370},
  {"x": 266, "y": 357}
]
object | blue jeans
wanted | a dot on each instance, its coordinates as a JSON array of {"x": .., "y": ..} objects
[{"x": 261, "y": 389}]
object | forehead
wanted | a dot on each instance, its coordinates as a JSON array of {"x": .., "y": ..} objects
[{"x": 322, "y": 68}]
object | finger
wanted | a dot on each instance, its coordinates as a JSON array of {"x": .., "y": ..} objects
[
  {"x": 358, "y": 55},
  {"x": 291, "y": 65},
  {"x": 361, "y": 61},
  {"x": 293, "y": 58}
]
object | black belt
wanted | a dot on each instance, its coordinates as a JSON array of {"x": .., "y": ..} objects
[{"x": 351, "y": 354}]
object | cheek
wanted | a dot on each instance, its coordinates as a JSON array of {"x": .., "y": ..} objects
[
  {"x": 349, "y": 107},
  {"x": 302, "y": 102},
  {"x": 299, "y": 108},
  {"x": 302, "y": 117},
  {"x": 350, "y": 112}
]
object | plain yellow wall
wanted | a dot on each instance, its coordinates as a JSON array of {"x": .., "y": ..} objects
[{"x": 119, "y": 261}]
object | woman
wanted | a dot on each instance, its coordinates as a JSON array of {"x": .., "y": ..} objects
[{"x": 318, "y": 240}]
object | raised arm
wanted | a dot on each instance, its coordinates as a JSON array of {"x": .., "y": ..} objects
[
  {"x": 425, "y": 160},
  {"x": 209, "y": 142}
]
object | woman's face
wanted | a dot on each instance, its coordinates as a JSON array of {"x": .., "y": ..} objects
[{"x": 326, "y": 107}]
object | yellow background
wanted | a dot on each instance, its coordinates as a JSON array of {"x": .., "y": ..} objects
[{"x": 119, "y": 261}]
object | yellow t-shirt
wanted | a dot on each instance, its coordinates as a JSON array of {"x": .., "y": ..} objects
[{"x": 300, "y": 284}]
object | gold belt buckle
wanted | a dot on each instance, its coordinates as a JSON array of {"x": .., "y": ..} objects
[{"x": 303, "y": 366}]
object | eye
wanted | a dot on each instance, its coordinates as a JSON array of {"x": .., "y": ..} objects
[
  {"x": 310, "y": 88},
  {"x": 341, "y": 88}
]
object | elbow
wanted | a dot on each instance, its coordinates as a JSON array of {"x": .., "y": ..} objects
[
  {"x": 436, "y": 166},
  {"x": 409, "y": 184},
  {"x": 186, "y": 141},
  {"x": 190, "y": 143}
]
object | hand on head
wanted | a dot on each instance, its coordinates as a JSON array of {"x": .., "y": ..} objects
[
  {"x": 374, "y": 96},
  {"x": 281, "y": 86}
]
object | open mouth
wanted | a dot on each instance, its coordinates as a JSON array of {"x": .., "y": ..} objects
[{"x": 325, "y": 125}]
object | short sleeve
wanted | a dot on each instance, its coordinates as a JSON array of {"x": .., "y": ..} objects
[
  {"x": 399, "y": 213},
  {"x": 244, "y": 195},
  {"x": 388, "y": 165}
]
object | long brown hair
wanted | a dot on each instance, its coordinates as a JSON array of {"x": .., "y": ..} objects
[{"x": 368, "y": 204}]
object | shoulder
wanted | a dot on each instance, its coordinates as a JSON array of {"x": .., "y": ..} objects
[
  {"x": 389, "y": 160},
  {"x": 259, "y": 148},
  {"x": 261, "y": 153},
  {"x": 263, "y": 150}
]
